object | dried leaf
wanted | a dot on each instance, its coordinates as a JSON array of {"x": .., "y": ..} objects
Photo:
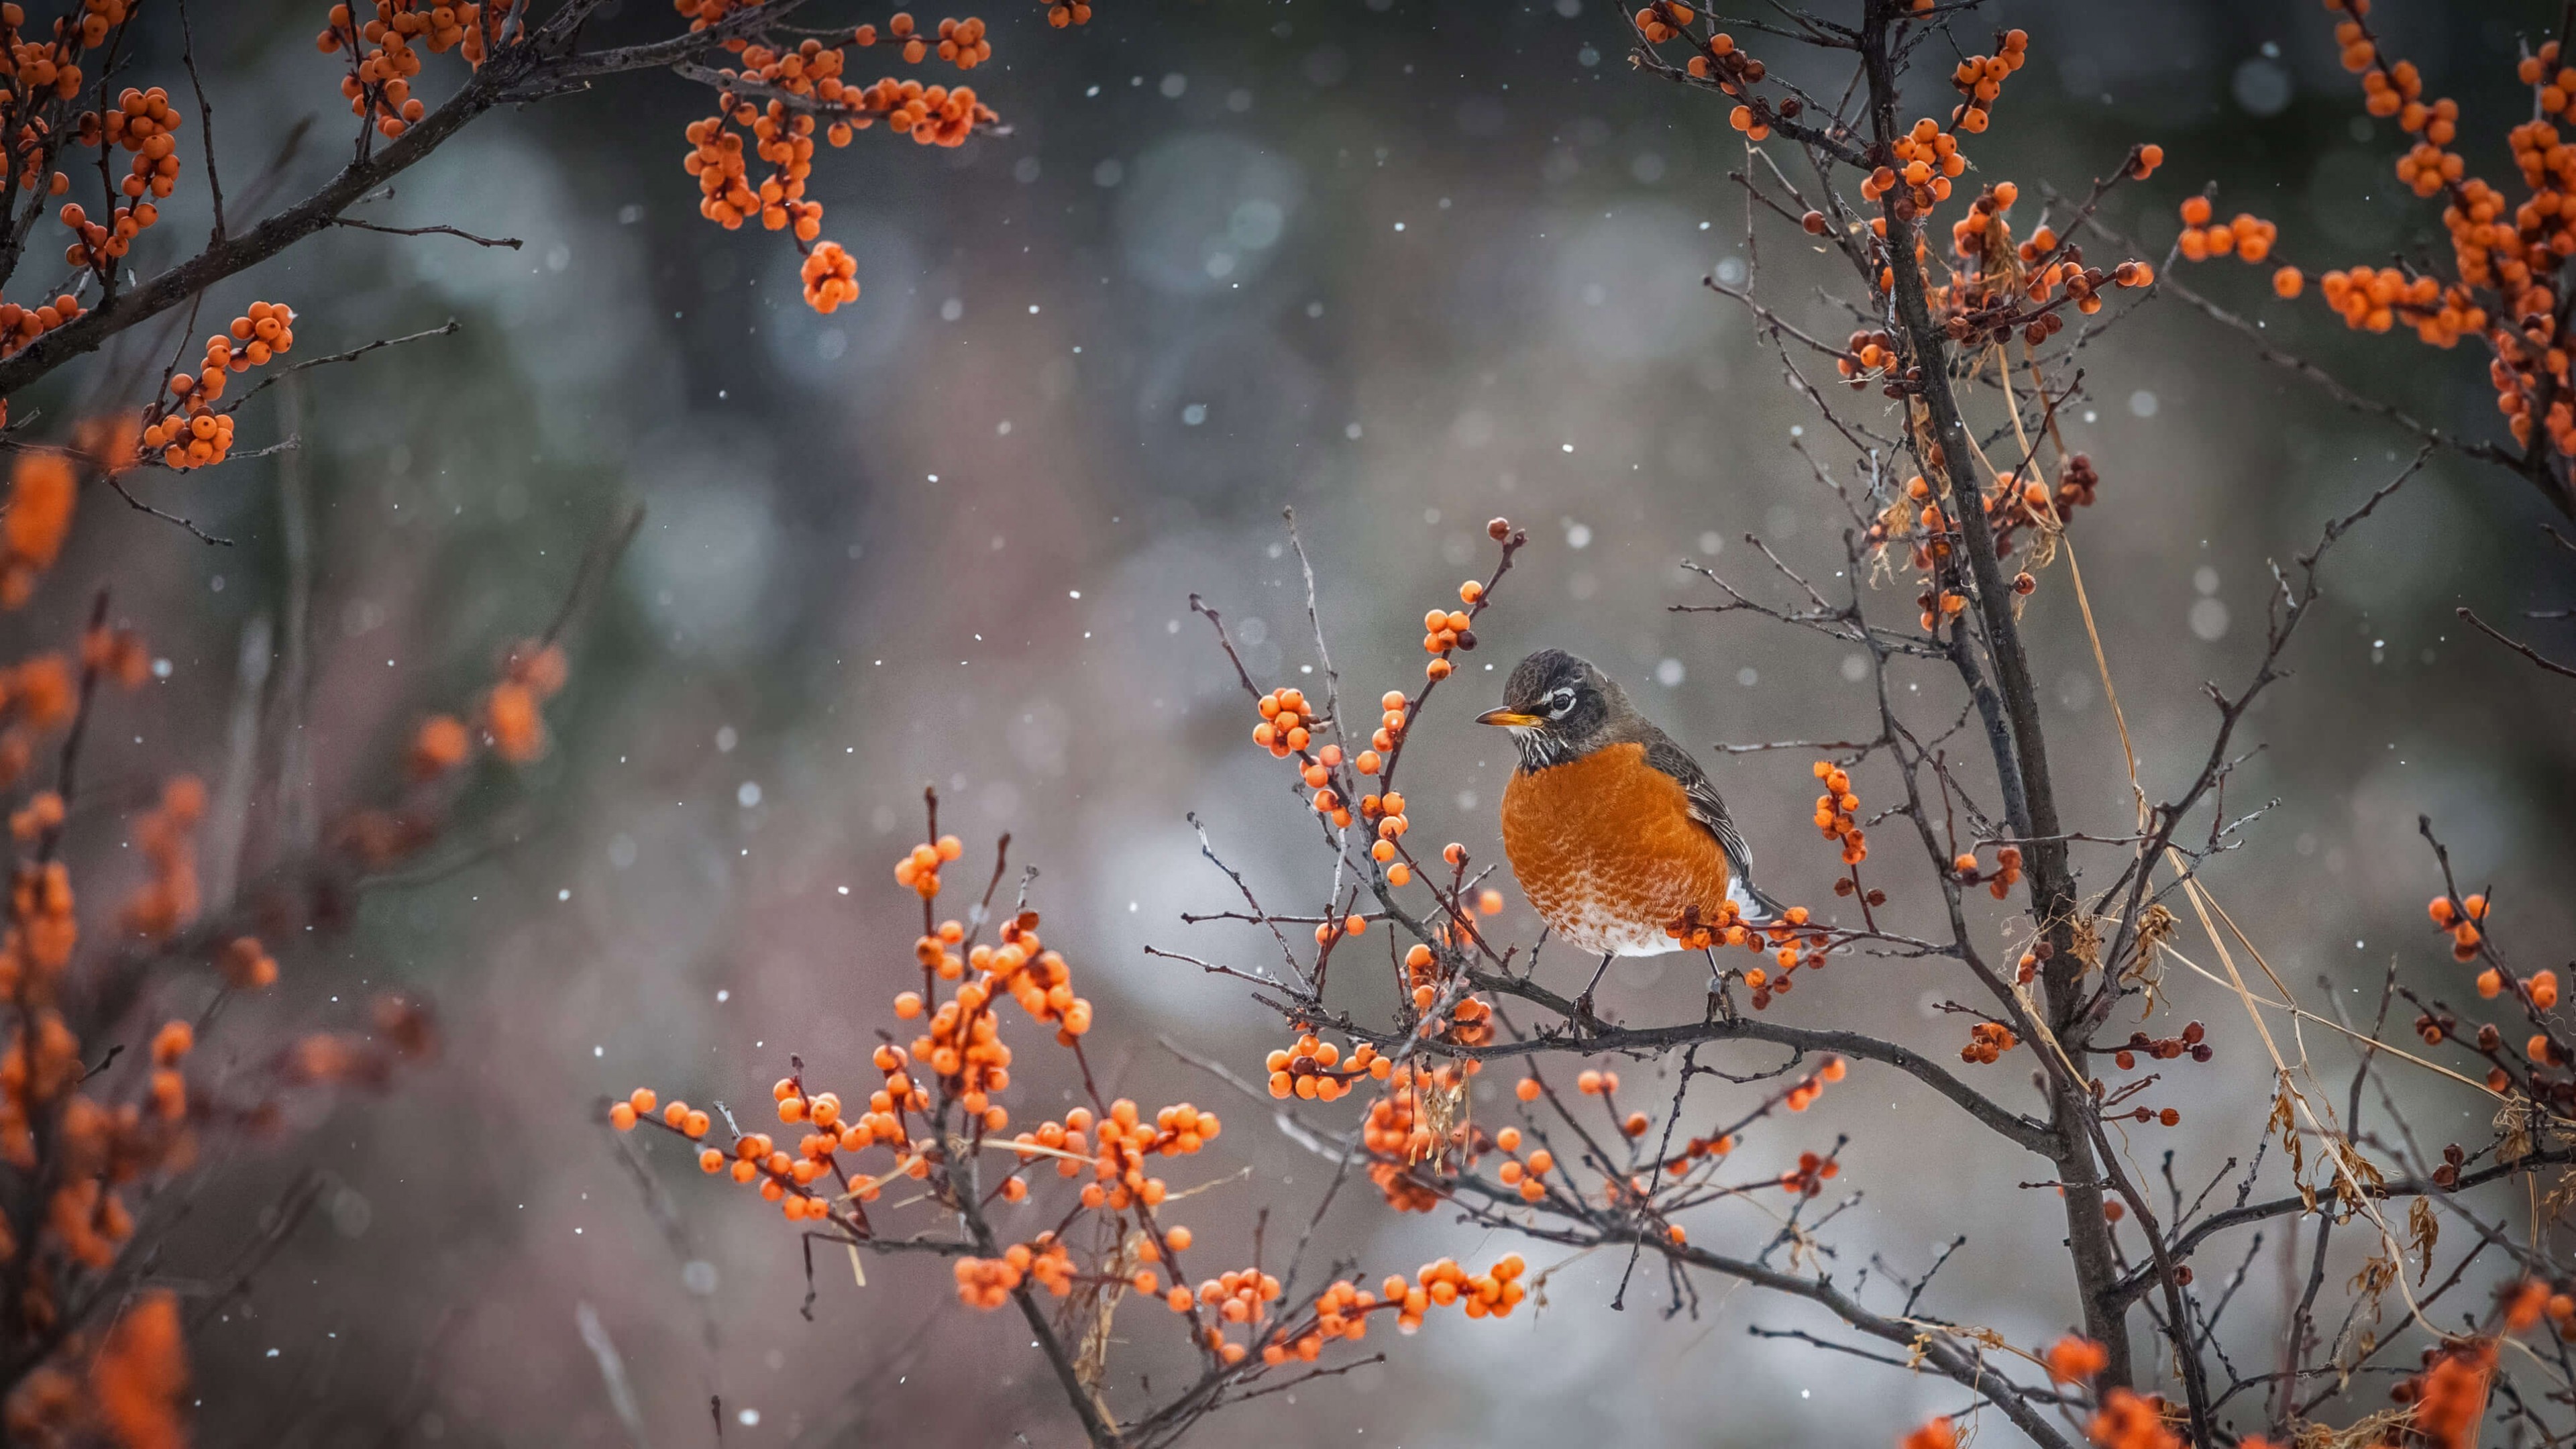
[
  {"x": 2513, "y": 1125},
  {"x": 2145, "y": 966},
  {"x": 2423, "y": 1230},
  {"x": 2376, "y": 1277},
  {"x": 2084, "y": 938},
  {"x": 1439, "y": 1108},
  {"x": 2372, "y": 1429},
  {"x": 2285, "y": 1121},
  {"x": 2358, "y": 1175},
  {"x": 2559, "y": 1197},
  {"x": 1095, "y": 1306}
]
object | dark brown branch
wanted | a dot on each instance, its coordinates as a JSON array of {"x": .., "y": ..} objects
[
  {"x": 2020, "y": 1130},
  {"x": 354, "y": 353},
  {"x": 2052, "y": 886},
  {"x": 513, "y": 243},
  {"x": 2517, "y": 646},
  {"x": 139, "y": 506},
  {"x": 547, "y": 68},
  {"x": 2144, "y": 1279},
  {"x": 205, "y": 118}
]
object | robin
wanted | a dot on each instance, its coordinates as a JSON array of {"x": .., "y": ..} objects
[{"x": 1616, "y": 833}]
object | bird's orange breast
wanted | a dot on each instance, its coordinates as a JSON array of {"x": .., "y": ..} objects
[{"x": 1608, "y": 852}]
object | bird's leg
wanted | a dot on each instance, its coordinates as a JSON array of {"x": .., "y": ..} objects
[
  {"x": 1721, "y": 1001},
  {"x": 1583, "y": 1004}
]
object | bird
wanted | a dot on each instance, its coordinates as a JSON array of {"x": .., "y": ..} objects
[{"x": 1615, "y": 832}]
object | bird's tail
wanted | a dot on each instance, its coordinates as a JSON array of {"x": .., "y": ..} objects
[{"x": 1758, "y": 909}]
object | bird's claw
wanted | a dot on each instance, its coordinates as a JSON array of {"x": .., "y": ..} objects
[{"x": 1582, "y": 1019}]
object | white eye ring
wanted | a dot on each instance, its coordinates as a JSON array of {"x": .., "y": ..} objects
[{"x": 1563, "y": 703}]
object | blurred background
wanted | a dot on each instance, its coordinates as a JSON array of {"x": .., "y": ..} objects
[{"x": 1403, "y": 265}]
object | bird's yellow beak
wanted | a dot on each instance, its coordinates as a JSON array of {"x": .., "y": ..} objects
[{"x": 1508, "y": 719}]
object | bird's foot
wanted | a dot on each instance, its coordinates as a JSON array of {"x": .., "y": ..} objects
[
  {"x": 1721, "y": 999},
  {"x": 1584, "y": 1022}
]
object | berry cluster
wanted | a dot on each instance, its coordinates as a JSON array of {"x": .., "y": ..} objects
[
  {"x": 1868, "y": 354},
  {"x": 1925, "y": 160},
  {"x": 2540, "y": 988},
  {"x": 188, "y": 431},
  {"x": 2506, "y": 269},
  {"x": 938, "y": 1107},
  {"x": 1395, "y": 713},
  {"x": 2247, "y": 236},
  {"x": 2074, "y": 1360},
  {"x": 1980, "y": 79},
  {"x": 1314, "y": 1069},
  {"x": 1662, "y": 22},
  {"x": 1787, "y": 937},
  {"x": 382, "y": 60},
  {"x": 830, "y": 276},
  {"x": 989, "y": 1282},
  {"x": 1999, "y": 881},
  {"x": 778, "y": 95},
  {"x": 1283, "y": 731},
  {"x": 1525, "y": 1175},
  {"x": 1495, "y": 1292},
  {"x": 1987, "y": 1042},
  {"x": 1446, "y": 629},
  {"x": 918, "y": 869},
  {"x": 1808, "y": 1178},
  {"x": 43, "y": 489},
  {"x": 142, "y": 122},
  {"x": 20, "y": 325},
  {"x": 2189, "y": 1043},
  {"x": 1718, "y": 61},
  {"x": 2449, "y": 1397},
  {"x": 1837, "y": 811},
  {"x": 49, "y": 66},
  {"x": 168, "y": 897},
  {"x": 2018, "y": 501},
  {"x": 513, "y": 717},
  {"x": 2460, "y": 919},
  {"x": 2527, "y": 1303},
  {"x": 1470, "y": 1021}
]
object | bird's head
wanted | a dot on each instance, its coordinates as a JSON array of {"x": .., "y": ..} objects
[{"x": 1558, "y": 708}]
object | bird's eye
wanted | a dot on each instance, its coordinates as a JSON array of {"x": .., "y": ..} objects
[{"x": 1560, "y": 703}]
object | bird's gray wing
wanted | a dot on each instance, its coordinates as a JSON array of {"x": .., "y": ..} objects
[{"x": 1710, "y": 811}]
